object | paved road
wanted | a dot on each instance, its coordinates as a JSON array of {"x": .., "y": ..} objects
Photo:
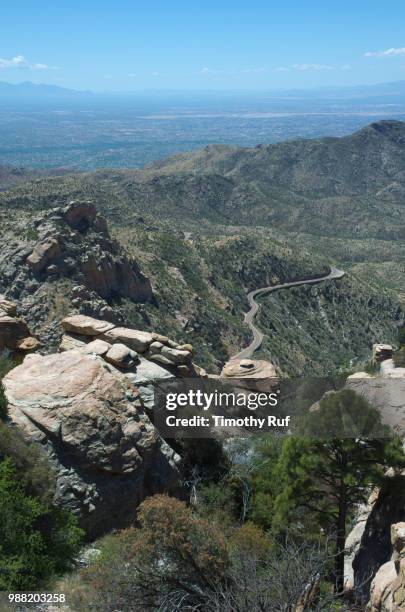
[{"x": 247, "y": 352}]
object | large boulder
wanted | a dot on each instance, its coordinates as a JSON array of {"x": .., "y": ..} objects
[
  {"x": 89, "y": 417},
  {"x": 134, "y": 338},
  {"x": 387, "y": 593},
  {"x": 387, "y": 393},
  {"x": 80, "y": 214},
  {"x": 86, "y": 326},
  {"x": 255, "y": 374},
  {"x": 44, "y": 253},
  {"x": 381, "y": 352},
  {"x": 12, "y": 331},
  {"x": 7, "y": 307}
]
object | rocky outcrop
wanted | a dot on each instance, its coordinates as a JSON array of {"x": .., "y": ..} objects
[
  {"x": 69, "y": 260},
  {"x": 14, "y": 332},
  {"x": 45, "y": 252},
  {"x": 90, "y": 419},
  {"x": 250, "y": 373},
  {"x": 382, "y": 352},
  {"x": 387, "y": 593},
  {"x": 368, "y": 546},
  {"x": 101, "y": 266},
  {"x": 127, "y": 342}
]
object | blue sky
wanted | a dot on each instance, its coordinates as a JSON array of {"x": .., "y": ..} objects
[{"x": 128, "y": 45}]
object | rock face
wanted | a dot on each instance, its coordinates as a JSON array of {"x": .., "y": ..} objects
[
  {"x": 369, "y": 544},
  {"x": 382, "y": 352},
  {"x": 127, "y": 342},
  {"x": 374, "y": 547},
  {"x": 102, "y": 267},
  {"x": 69, "y": 260},
  {"x": 387, "y": 593},
  {"x": 45, "y": 252},
  {"x": 90, "y": 418},
  {"x": 14, "y": 332}
]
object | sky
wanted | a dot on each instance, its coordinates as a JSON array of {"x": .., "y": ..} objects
[{"x": 254, "y": 45}]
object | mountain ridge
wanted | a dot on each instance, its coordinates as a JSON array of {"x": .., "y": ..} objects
[{"x": 353, "y": 186}]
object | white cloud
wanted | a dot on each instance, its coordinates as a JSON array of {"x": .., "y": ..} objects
[
  {"x": 209, "y": 71},
  {"x": 393, "y": 52},
  {"x": 312, "y": 67},
  {"x": 232, "y": 73},
  {"x": 132, "y": 75},
  {"x": 19, "y": 61},
  {"x": 308, "y": 67},
  {"x": 253, "y": 70}
]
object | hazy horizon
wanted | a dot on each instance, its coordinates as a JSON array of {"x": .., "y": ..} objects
[{"x": 262, "y": 45}]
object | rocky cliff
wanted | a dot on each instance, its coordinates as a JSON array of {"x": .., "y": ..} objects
[
  {"x": 388, "y": 586},
  {"x": 87, "y": 406},
  {"x": 369, "y": 545},
  {"x": 66, "y": 258}
]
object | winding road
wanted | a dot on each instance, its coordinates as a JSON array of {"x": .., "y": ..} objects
[{"x": 247, "y": 352}]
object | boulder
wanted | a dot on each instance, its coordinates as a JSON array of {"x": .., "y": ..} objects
[
  {"x": 106, "y": 453},
  {"x": 96, "y": 347},
  {"x": 381, "y": 352},
  {"x": 7, "y": 308},
  {"x": 251, "y": 374},
  {"x": 43, "y": 254},
  {"x": 80, "y": 214},
  {"x": 185, "y": 347},
  {"x": 87, "y": 326},
  {"x": 28, "y": 344},
  {"x": 168, "y": 355},
  {"x": 380, "y": 591},
  {"x": 12, "y": 331},
  {"x": 248, "y": 368},
  {"x": 176, "y": 356},
  {"x": 160, "y": 338},
  {"x": 387, "y": 394},
  {"x": 72, "y": 341},
  {"x": 145, "y": 377},
  {"x": 121, "y": 356},
  {"x": 134, "y": 338},
  {"x": 387, "y": 592}
]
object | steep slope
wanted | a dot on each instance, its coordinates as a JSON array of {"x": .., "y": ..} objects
[
  {"x": 352, "y": 186},
  {"x": 209, "y": 226}
]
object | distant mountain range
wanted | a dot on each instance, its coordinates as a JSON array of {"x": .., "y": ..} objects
[
  {"x": 394, "y": 90},
  {"x": 33, "y": 90}
]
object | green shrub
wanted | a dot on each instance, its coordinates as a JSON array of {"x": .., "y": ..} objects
[
  {"x": 36, "y": 539},
  {"x": 399, "y": 358},
  {"x": 3, "y": 404},
  {"x": 401, "y": 336},
  {"x": 32, "y": 465}
]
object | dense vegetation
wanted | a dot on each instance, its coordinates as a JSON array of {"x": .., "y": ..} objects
[
  {"x": 265, "y": 533},
  {"x": 37, "y": 539}
]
